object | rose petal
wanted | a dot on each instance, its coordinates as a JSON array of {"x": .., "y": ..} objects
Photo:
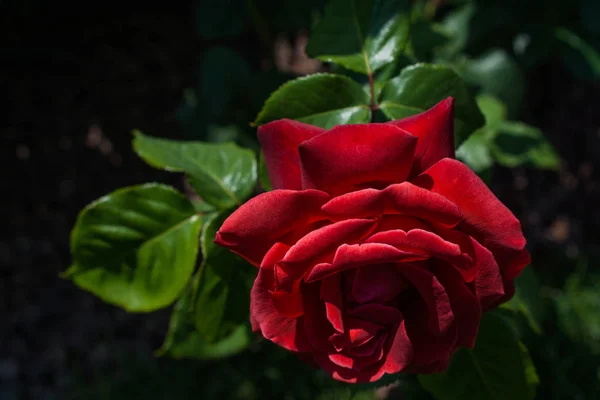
[
  {"x": 489, "y": 287},
  {"x": 318, "y": 328},
  {"x": 258, "y": 224},
  {"x": 486, "y": 218},
  {"x": 320, "y": 245},
  {"x": 404, "y": 198},
  {"x": 390, "y": 222},
  {"x": 289, "y": 304},
  {"x": 428, "y": 347},
  {"x": 433, "y": 294},
  {"x": 401, "y": 351},
  {"x": 359, "y": 331},
  {"x": 377, "y": 313},
  {"x": 378, "y": 283},
  {"x": 331, "y": 293},
  {"x": 349, "y": 156},
  {"x": 424, "y": 242},
  {"x": 274, "y": 255},
  {"x": 435, "y": 130},
  {"x": 370, "y": 374},
  {"x": 279, "y": 141},
  {"x": 356, "y": 255},
  {"x": 288, "y": 333},
  {"x": 465, "y": 305}
]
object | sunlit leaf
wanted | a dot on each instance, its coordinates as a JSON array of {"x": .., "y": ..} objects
[
  {"x": 324, "y": 100},
  {"x": 136, "y": 247},
  {"x": 361, "y": 35},
  {"x": 223, "y": 174}
]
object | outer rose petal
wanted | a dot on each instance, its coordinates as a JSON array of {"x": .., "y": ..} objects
[
  {"x": 279, "y": 141},
  {"x": 435, "y": 130},
  {"x": 289, "y": 333},
  {"x": 349, "y": 157},
  {"x": 486, "y": 217},
  {"x": 258, "y": 224},
  {"x": 465, "y": 305}
]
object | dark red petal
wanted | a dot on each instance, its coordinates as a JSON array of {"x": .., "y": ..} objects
[
  {"x": 377, "y": 313},
  {"x": 486, "y": 218},
  {"x": 390, "y": 222},
  {"x": 318, "y": 328},
  {"x": 378, "y": 283},
  {"x": 424, "y": 242},
  {"x": 289, "y": 304},
  {"x": 403, "y": 198},
  {"x": 349, "y": 156},
  {"x": 359, "y": 331},
  {"x": 258, "y": 224},
  {"x": 428, "y": 347},
  {"x": 509, "y": 292},
  {"x": 489, "y": 286},
  {"x": 401, "y": 351},
  {"x": 279, "y": 141},
  {"x": 319, "y": 246},
  {"x": 465, "y": 305},
  {"x": 435, "y": 130},
  {"x": 368, "y": 348},
  {"x": 287, "y": 332},
  {"x": 433, "y": 294},
  {"x": 331, "y": 293},
  {"x": 370, "y": 374},
  {"x": 274, "y": 255},
  {"x": 356, "y": 255}
]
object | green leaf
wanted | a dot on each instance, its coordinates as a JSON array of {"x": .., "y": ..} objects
[
  {"x": 475, "y": 151},
  {"x": 219, "y": 18},
  {"x": 223, "y": 174},
  {"x": 421, "y": 86},
  {"x": 527, "y": 299},
  {"x": 361, "y": 35},
  {"x": 493, "y": 111},
  {"x": 221, "y": 302},
  {"x": 497, "y": 368},
  {"x": 578, "y": 310},
  {"x": 263, "y": 173},
  {"x": 324, "y": 100},
  {"x": 426, "y": 38},
  {"x": 456, "y": 27},
  {"x": 517, "y": 143},
  {"x": 498, "y": 74},
  {"x": 578, "y": 52},
  {"x": 184, "y": 341},
  {"x": 136, "y": 247}
]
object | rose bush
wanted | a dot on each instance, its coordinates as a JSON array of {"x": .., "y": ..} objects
[{"x": 377, "y": 252}]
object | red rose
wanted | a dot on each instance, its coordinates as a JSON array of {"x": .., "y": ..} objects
[{"x": 378, "y": 251}]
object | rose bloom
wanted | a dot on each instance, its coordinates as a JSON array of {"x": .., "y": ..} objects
[{"x": 377, "y": 252}]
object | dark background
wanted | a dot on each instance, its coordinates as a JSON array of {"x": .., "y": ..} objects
[{"x": 76, "y": 82}]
